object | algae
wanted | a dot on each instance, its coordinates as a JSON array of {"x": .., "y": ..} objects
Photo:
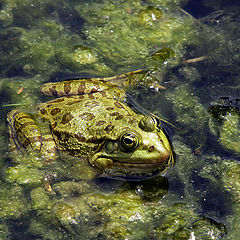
[
  {"x": 224, "y": 123},
  {"x": 13, "y": 202},
  {"x": 198, "y": 198}
]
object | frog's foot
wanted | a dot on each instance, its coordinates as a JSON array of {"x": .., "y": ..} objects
[
  {"x": 47, "y": 180},
  {"x": 24, "y": 135}
]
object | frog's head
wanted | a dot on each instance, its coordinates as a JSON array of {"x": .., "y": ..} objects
[{"x": 140, "y": 151}]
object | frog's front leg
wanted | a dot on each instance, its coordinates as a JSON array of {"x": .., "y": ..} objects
[{"x": 25, "y": 134}]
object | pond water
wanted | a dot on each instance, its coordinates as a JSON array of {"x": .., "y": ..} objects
[{"x": 189, "y": 52}]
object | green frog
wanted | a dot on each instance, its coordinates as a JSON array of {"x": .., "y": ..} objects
[{"x": 91, "y": 122}]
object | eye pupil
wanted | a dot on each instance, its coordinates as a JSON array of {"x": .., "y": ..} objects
[{"x": 128, "y": 141}]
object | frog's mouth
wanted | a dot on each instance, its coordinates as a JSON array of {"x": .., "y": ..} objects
[
  {"x": 137, "y": 165},
  {"x": 136, "y": 171},
  {"x": 103, "y": 163},
  {"x": 138, "y": 162}
]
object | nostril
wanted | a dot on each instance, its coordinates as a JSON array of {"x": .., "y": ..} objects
[{"x": 151, "y": 148}]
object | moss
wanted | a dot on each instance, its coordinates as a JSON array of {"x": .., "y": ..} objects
[
  {"x": 47, "y": 231},
  {"x": 40, "y": 200},
  {"x": 230, "y": 170},
  {"x": 24, "y": 175},
  {"x": 129, "y": 214},
  {"x": 126, "y": 33},
  {"x": 190, "y": 74},
  {"x": 13, "y": 202},
  {"x": 21, "y": 93},
  {"x": 4, "y": 233},
  {"x": 149, "y": 190},
  {"x": 230, "y": 132},
  {"x": 115, "y": 36},
  {"x": 6, "y": 17},
  {"x": 75, "y": 170},
  {"x": 168, "y": 3},
  {"x": 190, "y": 113},
  {"x": 73, "y": 189},
  {"x": 224, "y": 124},
  {"x": 207, "y": 229}
]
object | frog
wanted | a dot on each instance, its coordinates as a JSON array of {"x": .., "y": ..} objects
[{"x": 90, "y": 120}]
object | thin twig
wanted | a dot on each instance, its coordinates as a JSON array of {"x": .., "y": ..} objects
[{"x": 194, "y": 60}]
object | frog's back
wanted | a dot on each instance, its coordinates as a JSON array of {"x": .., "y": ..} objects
[{"x": 76, "y": 120}]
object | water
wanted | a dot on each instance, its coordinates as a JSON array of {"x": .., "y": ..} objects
[{"x": 192, "y": 49}]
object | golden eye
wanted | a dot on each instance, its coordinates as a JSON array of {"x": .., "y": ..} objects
[
  {"x": 128, "y": 142},
  {"x": 148, "y": 123}
]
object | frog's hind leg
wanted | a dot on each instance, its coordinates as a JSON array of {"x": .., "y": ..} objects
[
  {"x": 25, "y": 134},
  {"x": 22, "y": 132},
  {"x": 92, "y": 87},
  {"x": 106, "y": 85}
]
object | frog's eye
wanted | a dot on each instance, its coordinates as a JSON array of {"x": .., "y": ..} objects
[
  {"x": 148, "y": 123},
  {"x": 128, "y": 142}
]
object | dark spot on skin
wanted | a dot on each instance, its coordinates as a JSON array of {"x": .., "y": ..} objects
[
  {"x": 114, "y": 114},
  {"x": 57, "y": 134},
  {"x": 100, "y": 123},
  {"x": 110, "y": 108},
  {"x": 67, "y": 117},
  {"x": 109, "y": 128},
  {"x": 80, "y": 137},
  {"x": 67, "y": 87},
  {"x": 55, "y": 111},
  {"x": 43, "y": 111},
  {"x": 118, "y": 105},
  {"x": 81, "y": 88},
  {"x": 132, "y": 121},
  {"x": 62, "y": 136},
  {"x": 87, "y": 116},
  {"x": 53, "y": 91},
  {"x": 117, "y": 115},
  {"x": 93, "y": 139}
]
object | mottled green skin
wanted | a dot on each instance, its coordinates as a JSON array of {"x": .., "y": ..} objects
[{"x": 94, "y": 126}]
